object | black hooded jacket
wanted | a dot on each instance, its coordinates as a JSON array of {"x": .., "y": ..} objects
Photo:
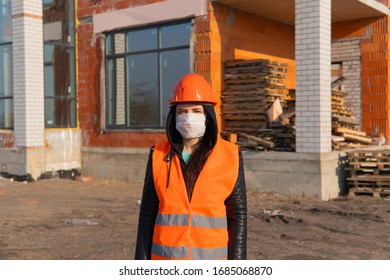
[{"x": 236, "y": 203}]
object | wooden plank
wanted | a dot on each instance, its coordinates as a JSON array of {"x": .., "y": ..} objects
[
  {"x": 370, "y": 178},
  {"x": 360, "y": 139},
  {"x": 229, "y": 90},
  {"x": 265, "y": 99},
  {"x": 242, "y": 81},
  {"x": 254, "y": 69},
  {"x": 244, "y": 124},
  {"x": 245, "y": 117},
  {"x": 351, "y": 120},
  {"x": 350, "y": 131},
  {"x": 336, "y": 138},
  {"x": 253, "y": 104},
  {"x": 242, "y": 62},
  {"x": 242, "y": 129},
  {"x": 369, "y": 191},
  {"x": 262, "y": 142},
  {"x": 238, "y": 111},
  {"x": 247, "y": 145},
  {"x": 338, "y": 82}
]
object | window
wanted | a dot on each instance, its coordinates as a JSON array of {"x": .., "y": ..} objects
[
  {"x": 47, "y": 2},
  {"x": 6, "y": 71},
  {"x": 143, "y": 66},
  {"x": 59, "y": 64}
]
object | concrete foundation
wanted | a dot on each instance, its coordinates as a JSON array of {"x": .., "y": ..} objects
[
  {"x": 61, "y": 152},
  {"x": 115, "y": 163},
  {"x": 295, "y": 174}
]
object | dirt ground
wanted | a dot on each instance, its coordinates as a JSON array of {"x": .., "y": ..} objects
[{"x": 66, "y": 219}]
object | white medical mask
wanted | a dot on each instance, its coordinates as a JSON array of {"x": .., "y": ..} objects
[{"x": 191, "y": 125}]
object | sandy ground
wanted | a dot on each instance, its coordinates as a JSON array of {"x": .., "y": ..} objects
[{"x": 65, "y": 219}]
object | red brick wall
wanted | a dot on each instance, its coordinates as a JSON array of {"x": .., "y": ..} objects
[
  {"x": 90, "y": 7},
  {"x": 239, "y": 35},
  {"x": 89, "y": 80},
  {"x": 6, "y": 139},
  {"x": 375, "y": 79},
  {"x": 375, "y": 67}
]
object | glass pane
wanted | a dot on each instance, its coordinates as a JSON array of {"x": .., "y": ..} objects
[
  {"x": 116, "y": 92},
  {"x": 49, "y": 81},
  {"x": 59, "y": 71},
  {"x": 174, "y": 64},
  {"x": 59, "y": 21},
  {"x": 48, "y": 53},
  {"x": 5, "y": 21},
  {"x": 6, "y": 113},
  {"x": 47, "y": 2},
  {"x": 175, "y": 35},
  {"x": 119, "y": 43},
  {"x": 109, "y": 44},
  {"x": 111, "y": 92},
  {"x": 6, "y": 76},
  {"x": 141, "y": 40},
  {"x": 60, "y": 112},
  {"x": 142, "y": 71},
  {"x": 120, "y": 102}
]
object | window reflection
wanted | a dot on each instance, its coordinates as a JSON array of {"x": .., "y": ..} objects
[
  {"x": 142, "y": 89},
  {"x": 175, "y": 35},
  {"x": 141, "y": 40}
]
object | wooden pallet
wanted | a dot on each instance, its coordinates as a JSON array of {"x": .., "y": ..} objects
[
  {"x": 369, "y": 155},
  {"x": 369, "y": 181},
  {"x": 374, "y": 192}
]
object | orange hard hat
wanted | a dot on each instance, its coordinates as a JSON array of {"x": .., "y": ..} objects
[{"x": 192, "y": 88}]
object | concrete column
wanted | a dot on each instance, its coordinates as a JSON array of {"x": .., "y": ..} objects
[
  {"x": 313, "y": 75},
  {"x": 27, "y": 32}
]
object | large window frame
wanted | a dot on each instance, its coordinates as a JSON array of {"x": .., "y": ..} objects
[
  {"x": 6, "y": 66},
  {"x": 121, "y": 97},
  {"x": 60, "y": 90}
]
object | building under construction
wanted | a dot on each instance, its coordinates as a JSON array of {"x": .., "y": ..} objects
[{"x": 84, "y": 84}]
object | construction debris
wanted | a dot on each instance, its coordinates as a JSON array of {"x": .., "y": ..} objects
[{"x": 258, "y": 112}]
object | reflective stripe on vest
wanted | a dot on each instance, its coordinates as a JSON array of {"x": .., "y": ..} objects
[
  {"x": 196, "y": 253},
  {"x": 195, "y": 229},
  {"x": 197, "y": 220},
  {"x": 170, "y": 251}
]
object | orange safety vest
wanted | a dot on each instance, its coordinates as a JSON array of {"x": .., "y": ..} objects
[{"x": 196, "y": 229}]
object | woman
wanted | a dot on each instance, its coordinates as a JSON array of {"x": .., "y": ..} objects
[{"x": 194, "y": 198}]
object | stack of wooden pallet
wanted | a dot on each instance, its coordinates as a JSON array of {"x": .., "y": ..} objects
[
  {"x": 345, "y": 132},
  {"x": 251, "y": 88},
  {"x": 369, "y": 172}
]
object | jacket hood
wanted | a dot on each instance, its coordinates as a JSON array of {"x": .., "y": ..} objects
[{"x": 174, "y": 136}]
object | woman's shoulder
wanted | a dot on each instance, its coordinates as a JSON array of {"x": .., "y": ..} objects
[{"x": 161, "y": 146}]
